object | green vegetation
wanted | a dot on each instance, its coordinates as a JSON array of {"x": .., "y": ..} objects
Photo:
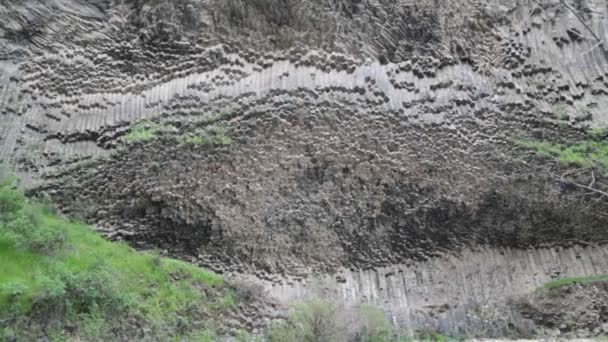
[
  {"x": 561, "y": 112},
  {"x": 60, "y": 280},
  {"x": 320, "y": 320},
  {"x": 572, "y": 280},
  {"x": 216, "y": 134},
  {"x": 33, "y": 151},
  {"x": 584, "y": 113},
  {"x": 314, "y": 320},
  {"x": 587, "y": 153},
  {"x": 146, "y": 130},
  {"x": 433, "y": 336},
  {"x": 599, "y": 134},
  {"x": 374, "y": 325}
]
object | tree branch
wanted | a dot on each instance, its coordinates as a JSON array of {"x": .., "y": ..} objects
[
  {"x": 595, "y": 36},
  {"x": 564, "y": 180},
  {"x": 593, "y": 178}
]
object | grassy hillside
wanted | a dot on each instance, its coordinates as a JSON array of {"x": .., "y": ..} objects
[{"x": 60, "y": 280}]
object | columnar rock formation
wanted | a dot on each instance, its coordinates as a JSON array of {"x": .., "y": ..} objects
[{"x": 358, "y": 139}]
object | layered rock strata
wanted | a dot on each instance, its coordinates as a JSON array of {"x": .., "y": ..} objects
[{"x": 285, "y": 138}]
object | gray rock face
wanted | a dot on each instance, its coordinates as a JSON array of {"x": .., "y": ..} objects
[
  {"x": 439, "y": 293},
  {"x": 574, "y": 310},
  {"x": 360, "y": 139}
]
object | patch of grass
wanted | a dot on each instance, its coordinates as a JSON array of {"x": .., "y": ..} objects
[
  {"x": 216, "y": 134},
  {"x": 60, "y": 279},
  {"x": 572, "y": 280},
  {"x": 146, "y": 130},
  {"x": 561, "y": 112},
  {"x": 587, "y": 153},
  {"x": 599, "y": 134}
]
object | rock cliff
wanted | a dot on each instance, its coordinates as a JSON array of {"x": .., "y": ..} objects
[{"x": 371, "y": 142}]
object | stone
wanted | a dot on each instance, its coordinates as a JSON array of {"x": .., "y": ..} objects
[{"x": 382, "y": 151}]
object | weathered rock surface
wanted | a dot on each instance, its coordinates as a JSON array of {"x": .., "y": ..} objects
[
  {"x": 439, "y": 293},
  {"x": 577, "y": 310},
  {"x": 369, "y": 138}
]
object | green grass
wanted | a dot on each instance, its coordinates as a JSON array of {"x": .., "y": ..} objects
[
  {"x": 599, "y": 133},
  {"x": 587, "y": 153},
  {"x": 146, "y": 130},
  {"x": 571, "y": 280},
  {"x": 60, "y": 279},
  {"x": 216, "y": 134}
]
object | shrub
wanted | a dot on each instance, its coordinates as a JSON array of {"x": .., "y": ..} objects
[
  {"x": 310, "y": 321},
  {"x": 146, "y": 130},
  {"x": 488, "y": 320},
  {"x": 11, "y": 202},
  {"x": 374, "y": 327},
  {"x": 216, "y": 134},
  {"x": 561, "y": 112},
  {"x": 279, "y": 331},
  {"x": 246, "y": 291},
  {"x": 25, "y": 224},
  {"x": 68, "y": 293},
  {"x": 244, "y": 336},
  {"x": 320, "y": 320}
]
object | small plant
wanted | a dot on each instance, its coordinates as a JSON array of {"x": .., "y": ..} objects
[
  {"x": 599, "y": 134},
  {"x": 587, "y": 153},
  {"x": 146, "y": 130},
  {"x": 572, "y": 280},
  {"x": 374, "y": 325},
  {"x": 486, "y": 320},
  {"x": 320, "y": 320},
  {"x": 33, "y": 151},
  {"x": 216, "y": 134},
  {"x": 246, "y": 292},
  {"x": 429, "y": 335},
  {"x": 312, "y": 320},
  {"x": 244, "y": 336},
  {"x": 228, "y": 301},
  {"x": 584, "y": 114},
  {"x": 561, "y": 112},
  {"x": 24, "y": 224}
]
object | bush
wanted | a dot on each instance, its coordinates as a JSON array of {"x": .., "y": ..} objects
[
  {"x": 24, "y": 224},
  {"x": 319, "y": 320},
  {"x": 245, "y": 291},
  {"x": 146, "y": 130},
  {"x": 216, "y": 134},
  {"x": 374, "y": 327},
  {"x": 311, "y": 321},
  {"x": 279, "y": 331},
  {"x": 66, "y": 293},
  {"x": 488, "y": 321},
  {"x": 429, "y": 335}
]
